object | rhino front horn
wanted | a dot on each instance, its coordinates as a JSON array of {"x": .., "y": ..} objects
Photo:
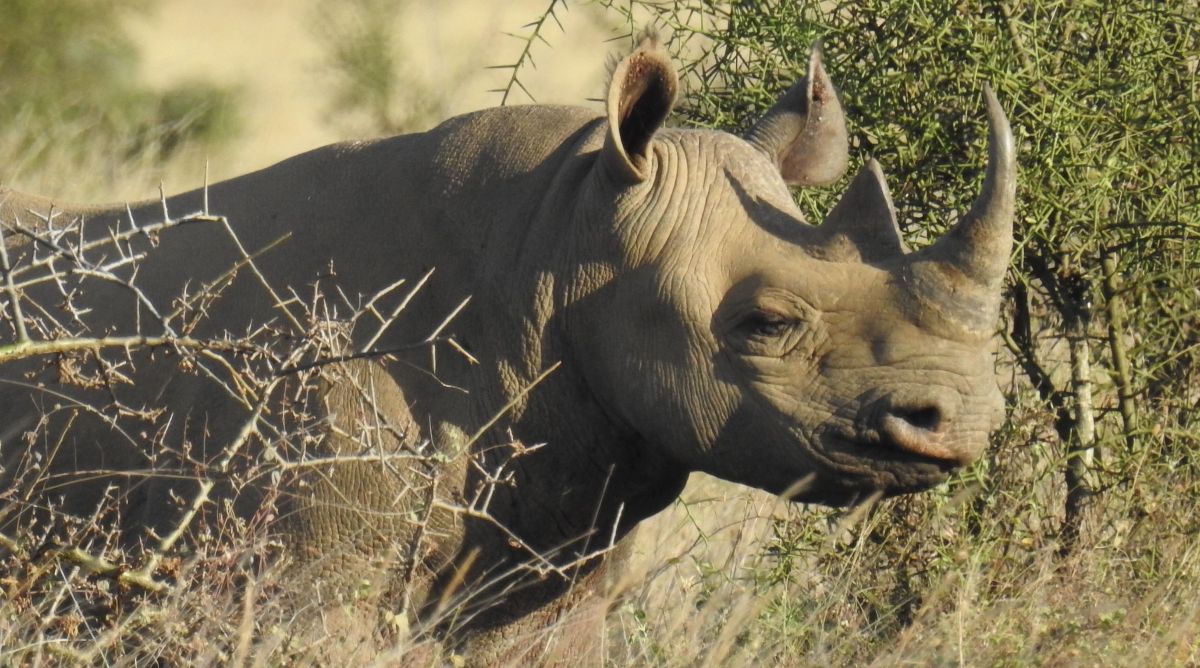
[{"x": 960, "y": 275}]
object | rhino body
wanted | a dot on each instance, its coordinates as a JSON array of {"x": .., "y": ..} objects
[{"x": 698, "y": 324}]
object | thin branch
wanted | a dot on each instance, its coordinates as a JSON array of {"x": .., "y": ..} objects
[
  {"x": 75, "y": 254},
  {"x": 14, "y": 298},
  {"x": 383, "y": 327},
  {"x": 279, "y": 303},
  {"x": 518, "y": 398},
  {"x": 337, "y": 359},
  {"x": 103, "y": 567},
  {"x": 15, "y": 351},
  {"x": 1115, "y": 310},
  {"x": 526, "y": 57}
]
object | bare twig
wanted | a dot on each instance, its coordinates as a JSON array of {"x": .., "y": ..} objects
[
  {"x": 11, "y": 545},
  {"x": 14, "y": 298},
  {"x": 226, "y": 277},
  {"x": 526, "y": 56},
  {"x": 387, "y": 322},
  {"x": 338, "y": 359},
  {"x": 518, "y": 398},
  {"x": 75, "y": 253},
  {"x": 102, "y": 567},
  {"x": 15, "y": 351},
  {"x": 279, "y": 303}
]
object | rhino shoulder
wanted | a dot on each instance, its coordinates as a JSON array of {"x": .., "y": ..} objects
[{"x": 510, "y": 141}]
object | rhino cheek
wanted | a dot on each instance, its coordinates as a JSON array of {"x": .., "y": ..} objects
[
  {"x": 651, "y": 371},
  {"x": 755, "y": 449},
  {"x": 689, "y": 410},
  {"x": 773, "y": 441}
]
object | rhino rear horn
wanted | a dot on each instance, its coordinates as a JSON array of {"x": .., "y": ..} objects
[
  {"x": 805, "y": 132},
  {"x": 865, "y": 218},
  {"x": 641, "y": 94}
]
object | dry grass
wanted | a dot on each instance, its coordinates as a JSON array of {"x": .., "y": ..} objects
[
  {"x": 972, "y": 574},
  {"x": 968, "y": 576}
]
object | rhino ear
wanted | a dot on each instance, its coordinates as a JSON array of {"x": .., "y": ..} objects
[
  {"x": 640, "y": 96},
  {"x": 805, "y": 132},
  {"x": 865, "y": 218}
]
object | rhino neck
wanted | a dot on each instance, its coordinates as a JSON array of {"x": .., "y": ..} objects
[
  {"x": 581, "y": 478},
  {"x": 591, "y": 477},
  {"x": 576, "y": 483},
  {"x": 568, "y": 505},
  {"x": 585, "y": 489}
]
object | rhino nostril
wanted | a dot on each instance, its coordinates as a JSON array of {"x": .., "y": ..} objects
[
  {"x": 920, "y": 429},
  {"x": 928, "y": 418}
]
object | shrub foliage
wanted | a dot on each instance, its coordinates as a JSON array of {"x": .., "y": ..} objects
[{"x": 1091, "y": 478}]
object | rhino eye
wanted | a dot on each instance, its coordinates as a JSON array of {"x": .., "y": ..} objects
[
  {"x": 758, "y": 322},
  {"x": 765, "y": 324},
  {"x": 765, "y": 333}
]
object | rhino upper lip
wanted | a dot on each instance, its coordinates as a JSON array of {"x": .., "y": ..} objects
[
  {"x": 846, "y": 451},
  {"x": 872, "y": 445}
]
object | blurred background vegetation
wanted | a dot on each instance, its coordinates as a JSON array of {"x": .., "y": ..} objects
[
  {"x": 369, "y": 73},
  {"x": 1075, "y": 540},
  {"x": 68, "y": 81}
]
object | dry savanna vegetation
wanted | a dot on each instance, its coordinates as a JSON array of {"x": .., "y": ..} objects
[{"x": 1073, "y": 542}]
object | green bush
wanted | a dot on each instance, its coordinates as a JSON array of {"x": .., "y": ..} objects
[{"x": 1089, "y": 489}]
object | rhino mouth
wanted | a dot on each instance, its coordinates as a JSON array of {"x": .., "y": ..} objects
[{"x": 853, "y": 467}]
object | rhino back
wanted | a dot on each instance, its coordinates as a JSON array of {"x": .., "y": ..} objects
[{"x": 350, "y": 218}]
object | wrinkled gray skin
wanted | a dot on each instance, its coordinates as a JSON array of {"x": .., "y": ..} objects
[{"x": 701, "y": 323}]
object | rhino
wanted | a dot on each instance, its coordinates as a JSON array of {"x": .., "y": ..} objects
[{"x": 632, "y": 302}]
